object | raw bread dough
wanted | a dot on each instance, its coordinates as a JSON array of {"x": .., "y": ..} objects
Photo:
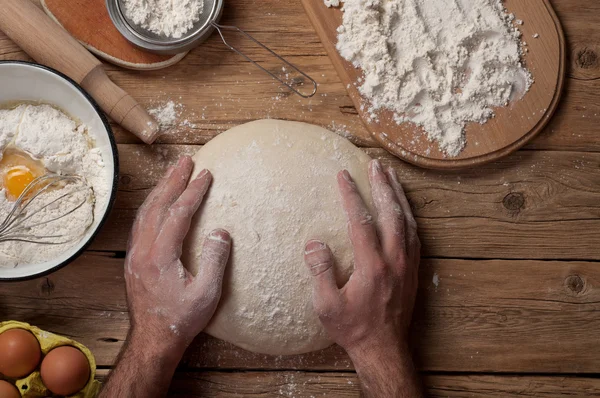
[{"x": 274, "y": 188}]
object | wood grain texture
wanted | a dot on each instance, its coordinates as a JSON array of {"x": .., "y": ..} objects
[
  {"x": 533, "y": 204},
  {"x": 305, "y": 385},
  {"x": 89, "y": 22},
  {"x": 512, "y": 126},
  {"x": 227, "y": 91},
  {"x": 484, "y": 316}
]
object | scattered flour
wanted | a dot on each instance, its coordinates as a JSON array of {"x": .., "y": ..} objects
[
  {"x": 63, "y": 147},
  {"x": 332, "y": 3},
  {"x": 171, "y": 18},
  {"x": 436, "y": 63},
  {"x": 167, "y": 115}
]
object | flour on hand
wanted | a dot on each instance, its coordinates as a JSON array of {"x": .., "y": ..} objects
[
  {"x": 436, "y": 63},
  {"x": 171, "y": 18}
]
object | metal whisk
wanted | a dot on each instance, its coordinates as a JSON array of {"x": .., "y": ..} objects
[{"x": 19, "y": 224}]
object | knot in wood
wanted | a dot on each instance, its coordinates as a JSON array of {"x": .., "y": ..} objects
[
  {"x": 125, "y": 180},
  {"x": 47, "y": 286},
  {"x": 417, "y": 203},
  {"x": 575, "y": 283},
  {"x": 514, "y": 201},
  {"x": 586, "y": 59}
]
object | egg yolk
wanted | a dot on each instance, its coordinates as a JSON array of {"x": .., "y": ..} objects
[
  {"x": 18, "y": 170},
  {"x": 16, "y": 180}
]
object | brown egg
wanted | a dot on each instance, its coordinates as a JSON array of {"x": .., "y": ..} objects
[
  {"x": 65, "y": 370},
  {"x": 7, "y": 390},
  {"x": 21, "y": 353}
]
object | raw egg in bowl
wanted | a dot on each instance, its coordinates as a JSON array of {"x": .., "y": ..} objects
[
  {"x": 18, "y": 170},
  {"x": 44, "y": 112}
]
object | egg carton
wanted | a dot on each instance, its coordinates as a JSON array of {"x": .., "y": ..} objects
[{"x": 32, "y": 386}]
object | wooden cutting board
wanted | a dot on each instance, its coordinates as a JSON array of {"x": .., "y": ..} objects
[
  {"x": 88, "y": 21},
  {"x": 512, "y": 127}
]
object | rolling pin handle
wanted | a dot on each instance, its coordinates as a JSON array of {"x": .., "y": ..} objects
[
  {"x": 51, "y": 45},
  {"x": 120, "y": 106}
]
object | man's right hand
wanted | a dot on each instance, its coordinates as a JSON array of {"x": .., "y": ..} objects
[{"x": 371, "y": 315}]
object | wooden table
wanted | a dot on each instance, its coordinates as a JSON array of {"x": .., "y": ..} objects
[{"x": 515, "y": 244}]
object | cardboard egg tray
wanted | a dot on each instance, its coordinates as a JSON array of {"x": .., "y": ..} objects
[{"x": 32, "y": 386}]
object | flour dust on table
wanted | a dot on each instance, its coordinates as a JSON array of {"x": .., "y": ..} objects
[
  {"x": 274, "y": 188},
  {"x": 38, "y": 140},
  {"x": 170, "y": 18},
  {"x": 438, "y": 64}
]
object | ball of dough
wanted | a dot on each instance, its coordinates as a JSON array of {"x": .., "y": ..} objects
[{"x": 274, "y": 188}]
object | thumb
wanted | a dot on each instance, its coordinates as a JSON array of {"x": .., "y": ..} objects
[
  {"x": 320, "y": 261},
  {"x": 213, "y": 260}
]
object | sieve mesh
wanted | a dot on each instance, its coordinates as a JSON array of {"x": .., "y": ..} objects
[{"x": 210, "y": 13}]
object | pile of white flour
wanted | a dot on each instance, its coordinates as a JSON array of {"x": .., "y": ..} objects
[
  {"x": 63, "y": 146},
  {"x": 171, "y": 18},
  {"x": 439, "y": 64}
]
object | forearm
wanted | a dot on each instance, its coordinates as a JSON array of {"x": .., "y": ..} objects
[
  {"x": 144, "y": 369},
  {"x": 386, "y": 372}
]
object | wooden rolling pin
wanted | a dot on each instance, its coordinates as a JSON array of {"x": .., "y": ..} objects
[{"x": 49, "y": 44}]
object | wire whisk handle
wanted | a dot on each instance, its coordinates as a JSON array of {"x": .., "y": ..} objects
[{"x": 220, "y": 29}]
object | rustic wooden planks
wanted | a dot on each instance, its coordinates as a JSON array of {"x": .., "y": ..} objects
[
  {"x": 533, "y": 204},
  {"x": 305, "y": 385},
  {"x": 228, "y": 92},
  {"x": 514, "y": 315},
  {"x": 483, "y": 316}
]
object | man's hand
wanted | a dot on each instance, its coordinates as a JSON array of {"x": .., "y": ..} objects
[
  {"x": 371, "y": 315},
  {"x": 165, "y": 300},
  {"x": 168, "y": 306}
]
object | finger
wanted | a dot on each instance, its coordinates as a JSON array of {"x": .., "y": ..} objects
[
  {"x": 213, "y": 260},
  {"x": 138, "y": 224},
  {"x": 410, "y": 222},
  {"x": 360, "y": 223},
  {"x": 180, "y": 214},
  {"x": 390, "y": 218},
  {"x": 163, "y": 196},
  {"x": 160, "y": 185},
  {"x": 320, "y": 261}
]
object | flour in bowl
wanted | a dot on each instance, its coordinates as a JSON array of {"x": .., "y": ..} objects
[
  {"x": 439, "y": 64},
  {"x": 42, "y": 140},
  {"x": 171, "y": 18}
]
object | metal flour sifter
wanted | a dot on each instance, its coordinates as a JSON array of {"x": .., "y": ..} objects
[{"x": 202, "y": 29}]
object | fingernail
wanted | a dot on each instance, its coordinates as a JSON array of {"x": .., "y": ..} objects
[
  {"x": 181, "y": 161},
  {"x": 376, "y": 167},
  {"x": 220, "y": 235},
  {"x": 169, "y": 171},
  {"x": 202, "y": 174},
  {"x": 347, "y": 176},
  {"x": 314, "y": 246},
  {"x": 392, "y": 173}
]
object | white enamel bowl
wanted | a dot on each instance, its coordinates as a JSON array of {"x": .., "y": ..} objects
[{"x": 23, "y": 81}]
